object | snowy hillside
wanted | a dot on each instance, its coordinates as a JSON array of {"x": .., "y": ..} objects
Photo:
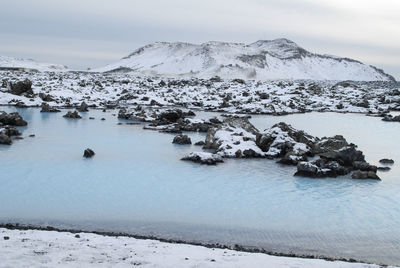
[
  {"x": 15, "y": 63},
  {"x": 262, "y": 60}
]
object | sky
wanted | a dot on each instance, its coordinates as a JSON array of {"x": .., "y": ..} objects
[{"x": 93, "y": 33}]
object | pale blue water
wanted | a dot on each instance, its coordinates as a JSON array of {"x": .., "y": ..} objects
[{"x": 137, "y": 184}]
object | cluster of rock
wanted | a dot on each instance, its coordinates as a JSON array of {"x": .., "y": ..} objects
[
  {"x": 390, "y": 118},
  {"x": 168, "y": 120},
  {"x": 314, "y": 157},
  {"x": 116, "y": 90},
  {"x": 8, "y": 122}
]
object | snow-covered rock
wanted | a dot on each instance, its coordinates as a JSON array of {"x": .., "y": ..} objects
[
  {"x": 29, "y": 65},
  {"x": 203, "y": 158},
  {"x": 262, "y": 60},
  {"x": 236, "y": 137}
]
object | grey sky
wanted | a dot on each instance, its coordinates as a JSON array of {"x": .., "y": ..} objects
[{"x": 92, "y": 33}]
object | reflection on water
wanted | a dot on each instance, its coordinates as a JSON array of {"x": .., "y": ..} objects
[{"x": 136, "y": 183}]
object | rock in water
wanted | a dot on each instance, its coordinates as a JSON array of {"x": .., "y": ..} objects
[
  {"x": 386, "y": 161},
  {"x": 46, "y": 108},
  {"x": 83, "y": 107},
  {"x": 73, "y": 115},
  {"x": 88, "y": 153},
  {"x": 363, "y": 175},
  {"x": 12, "y": 119},
  {"x": 203, "y": 158},
  {"x": 4, "y": 139},
  {"x": 182, "y": 139}
]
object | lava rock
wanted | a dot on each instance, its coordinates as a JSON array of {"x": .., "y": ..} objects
[
  {"x": 46, "y": 108},
  {"x": 386, "y": 161},
  {"x": 21, "y": 87},
  {"x": 203, "y": 158},
  {"x": 200, "y": 143},
  {"x": 88, "y": 153},
  {"x": 182, "y": 139},
  {"x": 83, "y": 107},
  {"x": 73, "y": 115},
  {"x": 363, "y": 175},
  {"x": 5, "y": 139},
  {"x": 12, "y": 119}
]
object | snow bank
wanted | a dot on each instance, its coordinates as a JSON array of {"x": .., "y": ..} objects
[{"x": 34, "y": 248}]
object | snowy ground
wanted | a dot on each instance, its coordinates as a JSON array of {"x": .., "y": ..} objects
[
  {"x": 33, "y": 248},
  {"x": 236, "y": 96}
]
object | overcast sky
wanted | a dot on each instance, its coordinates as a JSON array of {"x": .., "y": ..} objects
[{"x": 92, "y": 33}]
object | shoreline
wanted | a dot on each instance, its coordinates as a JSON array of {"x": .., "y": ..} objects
[{"x": 236, "y": 247}]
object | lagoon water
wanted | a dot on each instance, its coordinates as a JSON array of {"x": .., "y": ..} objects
[{"x": 137, "y": 184}]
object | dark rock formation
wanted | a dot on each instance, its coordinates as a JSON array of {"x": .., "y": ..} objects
[
  {"x": 83, "y": 107},
  {"x": 72, "y": 115},
  {"x": 46, "y": 108},
  {"x": 12, "y": 119},
  {"x": 386, "y": 161},
  {"x": 182, "y": 139},
  {"x": 203, "y": 158},
  {"x": 88, "y": 153},
  {"x": 21, "y": 87},
  {"x": 363, "y": 175}
]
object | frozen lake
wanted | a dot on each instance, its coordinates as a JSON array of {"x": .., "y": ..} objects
[{"x": 137, "y": 184}]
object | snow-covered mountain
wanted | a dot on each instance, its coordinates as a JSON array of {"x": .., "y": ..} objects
[
  {"x": 262, "y": 60},
  {"x": 28, "y": 64}
]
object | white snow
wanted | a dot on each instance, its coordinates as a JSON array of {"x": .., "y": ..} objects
[
  {"x": 34, "y": 248},
  {"x": 262, "y": 60},
  {"x": 9, "y": 62}
]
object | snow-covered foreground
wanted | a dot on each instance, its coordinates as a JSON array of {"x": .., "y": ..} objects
[{"x": 33, "y": 248}]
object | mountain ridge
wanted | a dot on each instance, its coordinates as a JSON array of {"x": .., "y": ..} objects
[{"x": 262, "y": 60}]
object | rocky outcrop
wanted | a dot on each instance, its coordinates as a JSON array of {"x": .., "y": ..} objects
[
  {"x": 12, "y": 119},
  {"x": 21, "y": 88},
  {"x": 363, "y": 175},
  {"x": 83, "y": 107},
  {"x": 46, "y": 108},
  {"x": 6, "y": 133},
  {"x": 282, "y": 140},
  {"x": 72, "y": 115},
  {"x": 182, "y": 139},
  {"x": 333, "y": 156},
  {"x": 390, "y": 118},
  {"x": 235, "y": 137},
  {"x": 4, "y": 139},
  {"x": 203, "y": 158}
]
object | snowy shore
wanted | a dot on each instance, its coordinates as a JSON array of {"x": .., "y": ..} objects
[{"x": 36, "y": 248}]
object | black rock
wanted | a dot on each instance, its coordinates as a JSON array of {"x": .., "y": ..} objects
[
  {"x": 83, "y": 107},
  {"x": 200, "y": 143},
  {"x": 5, "y": 139},
  {"x": 386, "y": 161},
  {"x": 46, "y": 108},
  {"x": 203, "y": 158},
  {"x": 363, "y": 175},
  {"x": 88, "y": 153},
  {"x": 21, "y": 87},
  {"x": 12, "y": 119},
  {"x": 182, "y": 139},
  {"x": 383, "y": 168},
  {"x": 73, "y": 115},
  {"x": 170, "y": 116}
]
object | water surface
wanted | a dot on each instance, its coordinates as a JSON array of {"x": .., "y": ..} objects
[{"x": 136, "y": 183}]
